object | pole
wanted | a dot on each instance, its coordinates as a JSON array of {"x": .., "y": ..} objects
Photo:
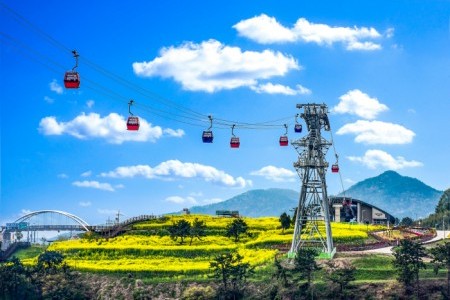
[{"x": 443, "y": 226}]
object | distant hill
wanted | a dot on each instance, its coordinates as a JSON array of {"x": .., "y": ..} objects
[
  {"x": 255, "y": 203},
  {"x": 399, "y": 195}
]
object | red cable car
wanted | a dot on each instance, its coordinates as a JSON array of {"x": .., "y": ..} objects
[
  {"x": 335, "y": 168},
  {"x": 133, "y": 123},
  {"x": 71, "y": 80},
  {"x": 207, "y": 136},
  {"x": 234, "y": 142},
  {"x": 284, "y": 140},
  {"x": 298, "y": 128}
]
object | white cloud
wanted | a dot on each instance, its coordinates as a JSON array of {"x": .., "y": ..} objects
[
  {"x": 107, "y": 211},
  {"x": 377, "y": 132},
  {"x": 86, "y": 174},
  {"x": 25, "y": 212},
  {"x": 112, "y": 128},
  {"x": 49, "y": 100},
  {"x": 378, "y": 158},
  {"x": 176, "y": 168},
  {"x": 62, "y": 176},
  {"x": 174, "y": 133},
  {"x": 211, "y": 66},
  {"x": 275, "y": 174},
  {"x": 358, "y": 103},
  {"x": 266, "y": 30},
  {"x": 211, "y": 200},
  {"x": 181, "y": 200},
  {"x": 56, "y": 87},
  {"x": 85, "y": 203},
  {"x": 90, "y": 103},
  {"x": 94, "y": 185},
  {"x": 349, "y": 181},
  {"x": 270, "y": 88}
]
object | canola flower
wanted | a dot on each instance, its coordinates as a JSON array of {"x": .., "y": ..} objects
[{"x": 158, "y": 254}]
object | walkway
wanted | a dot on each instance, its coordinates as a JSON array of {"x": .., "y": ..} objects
[{"x": 388, "y": 250}]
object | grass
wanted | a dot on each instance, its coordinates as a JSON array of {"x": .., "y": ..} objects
[{"x": 30, "y": 253}]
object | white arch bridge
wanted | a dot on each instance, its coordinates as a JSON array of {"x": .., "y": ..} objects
[{"x": 55, "y": 220}]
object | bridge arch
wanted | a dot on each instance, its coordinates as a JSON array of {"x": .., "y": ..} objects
[{"x": 78, "y": 220}]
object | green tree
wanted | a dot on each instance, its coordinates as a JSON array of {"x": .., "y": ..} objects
[
  {"x": 408, "y": 262},
  {"x": 14, "y": 280},
  {"x": 19, "y": 235},
  {"x": 50, "y": 262},
  {"x": 281, "y": 273},
  {"x": 341, "y": 273},
  {"x": 236, "y": 228},
  {"x": 406, "y": 221},
  {"x": 443, "y": 205},
  {"x": 305, "y": 264},
  {"x": 441, "y": 259},
  {"x": 180, "y": 229},
  {"x": 285, "y": 221},
  {"x": 232, "y": 273},
  {"x": 198, "y": 229}
]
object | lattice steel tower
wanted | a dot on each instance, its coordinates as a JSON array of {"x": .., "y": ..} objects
[{"x": 311, "y": 166}]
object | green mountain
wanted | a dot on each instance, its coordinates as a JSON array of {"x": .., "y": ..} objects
[
  {"x": 255, "y": 203},
  {"x": 399, "y": 195}
]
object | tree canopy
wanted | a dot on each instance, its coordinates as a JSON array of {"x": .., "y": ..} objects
[
  {"x": 236, "y": 228},
  {"x": 444, "y": 203}
]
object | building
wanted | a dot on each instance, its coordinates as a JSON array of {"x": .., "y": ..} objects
[{"x": 346, "y": 209}]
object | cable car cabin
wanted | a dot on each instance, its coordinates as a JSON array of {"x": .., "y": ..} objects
[
  {"x": 298, "y": 128},
  {"x": 133, "y": 123},
  {"x": 334, "y": 168},
  {"x": 71, "y": 80},
  {"x": 207, "y": 136},
  {"x": 234, "y": 142},
  {"x": 284, "y": 140}
]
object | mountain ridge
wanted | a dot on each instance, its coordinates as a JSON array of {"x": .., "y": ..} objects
[{"x": 398, "y": 195}]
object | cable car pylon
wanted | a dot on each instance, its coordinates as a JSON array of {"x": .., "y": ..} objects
[{"x": 311, "y": 166}]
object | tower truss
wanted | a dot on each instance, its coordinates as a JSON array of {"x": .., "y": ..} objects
[{"x": 313, "y": 209}]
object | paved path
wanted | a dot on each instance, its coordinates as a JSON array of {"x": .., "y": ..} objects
[{"x": 388, "y": 250}]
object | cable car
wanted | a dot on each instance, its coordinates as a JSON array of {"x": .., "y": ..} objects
[
  {"x": 284, "y": 140},
  {"x": 207, "y": 136},
  {"x": 335, "y": 168},
  {"x": 133, "y": 123},
  {"x": 71, "y": 80},
  {"x": 298, "y": 128},
  {"x": 234, "y": 142}
]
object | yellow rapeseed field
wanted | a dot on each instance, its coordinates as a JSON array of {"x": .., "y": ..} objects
[{"x": 150, "y": 249}]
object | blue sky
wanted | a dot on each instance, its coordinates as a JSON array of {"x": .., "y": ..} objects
[{"x": 383, "y": 69}]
